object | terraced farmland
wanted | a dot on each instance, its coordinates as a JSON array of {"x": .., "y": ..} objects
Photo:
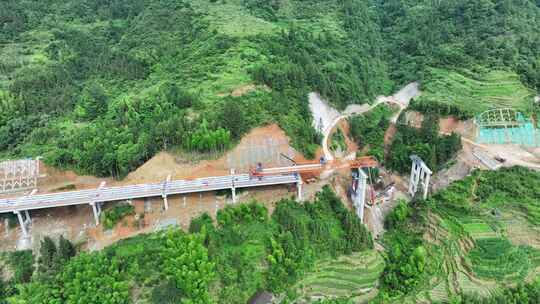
[
  {"x": 478, "y": 229},
  {"x": 474, "y": 93},
  {"x": 497, "y": 258},
  {"x": 354, "y": 275}
]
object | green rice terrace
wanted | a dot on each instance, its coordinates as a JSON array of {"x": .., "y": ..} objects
[
  {"x": 354, "y": 275},
  {"x": 481, "y": 236},
  {"x": 466, "y": 93}
]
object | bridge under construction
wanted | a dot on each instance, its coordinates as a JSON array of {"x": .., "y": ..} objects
[{"x": 21, "y": 206}]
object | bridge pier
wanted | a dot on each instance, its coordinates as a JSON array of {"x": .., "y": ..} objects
[
  {"x": 165, "y": 202},
  {"x": 299, "y": 187},
  {"x": 359, "y": 193},
  {"x": 96, "y": 208},
  {"x": 233, "y": 189},
  {"x": 164, "y": 192},
  {"x": 23, "y": 222},
  {"x": 233, "y": 192},
  {"x": 420, "y": 175}
]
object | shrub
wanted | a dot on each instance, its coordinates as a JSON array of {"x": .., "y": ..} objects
[
  {"x": 114, "y": 214},
  {"x": 22, "y": 265}
]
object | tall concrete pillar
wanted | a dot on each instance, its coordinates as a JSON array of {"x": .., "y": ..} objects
[
  {"x": 96, "y": 212},
  {"x": 22, "y": 223},
  {"x": 233, "y": 188},
  {"x": 165, "y": 202},
  {"x": 164, "y": 192},
  {"x": 359, "y": 196},
  {"x": 426, "y": 184},
  {"x": 420, "y": 173},
  {"x": 299, "y": 188},
  {"x": 27, "y": 215},
  {"x": 233, "y": 192},
  {"x": 412, "y": 180}
]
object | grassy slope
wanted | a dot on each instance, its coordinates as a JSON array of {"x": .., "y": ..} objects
[
  {"x": 354, "y": 275},
  {"x": 209, "y": 75},
  {"x": 232, "y": 19},
  {"x": 476, "y": 92},
  {"x": 495, "y": 244},
  {"x": 229, "y": 18}
]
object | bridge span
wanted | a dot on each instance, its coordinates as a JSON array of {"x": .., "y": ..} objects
[{"x": 95, "y": 197}]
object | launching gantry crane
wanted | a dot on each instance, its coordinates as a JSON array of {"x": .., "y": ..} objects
[
  {"x": 362, "y": 162},
  {"x": 307, "y": 171}
]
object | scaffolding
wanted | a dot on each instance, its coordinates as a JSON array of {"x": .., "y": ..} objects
[
  {"x": 420, "y": 176},
  {"x": 17, "y": 175},
  {"x": 359, "y": 191},
  {"x": 506, "y": 126}
]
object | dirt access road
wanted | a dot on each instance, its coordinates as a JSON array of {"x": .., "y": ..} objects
[{"x": 325, "y": 117}]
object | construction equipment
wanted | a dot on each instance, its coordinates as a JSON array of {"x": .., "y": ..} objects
[
  {"x": 361, "y": 162},
  {"x": 385, "y": 195},
  {"x": 288, "y": 158},
  {"x": 299, "y": 168},
  {"x": 500, "y": 159},
  {"x": 364, "y": 162}
]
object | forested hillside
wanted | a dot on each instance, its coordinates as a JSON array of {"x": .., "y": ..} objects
[
  {"x": 462, "y": 34},
  {"x": 227, "y": 262},
  {"x": 101, "y": 86},
  {"x": 474, "y": 242},
  {"x": 467, "y": 243}
]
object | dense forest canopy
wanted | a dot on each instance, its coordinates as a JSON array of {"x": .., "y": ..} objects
[
  {"x": 101, "y": 86},
  {"x": 223, "y": 261}
]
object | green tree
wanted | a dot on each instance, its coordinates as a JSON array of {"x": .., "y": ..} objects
[
  {"x": 47, "y": 256},
  {"x": 232, "y": 117},
  {"x": 22, "y": 264},
  {"x": 187, "y": 263},
  {"x": 66, "y": 250},
  {"x": 204, "y": 221},
  {"x": 37, "y": 292},
  {"x": 94, "y": 278},
  {"x": 284, "y": 268},
  {"x": 167, "y": 293},
  {"x": 398, "y": 216},
  {"x": 2, "y": 285},
  {"x": 172, "y": 93},
  {"x": 92, "y": 102}
]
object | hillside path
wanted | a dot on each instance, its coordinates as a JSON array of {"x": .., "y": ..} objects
[{"x": 325, "y": 117}]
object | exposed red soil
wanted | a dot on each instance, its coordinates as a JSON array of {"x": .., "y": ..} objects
[
  {"x": 449, "y": 124},
  {"x": 389, "y": 136},
  {"x": 343, "y": 125},
  {"x": 77, "y": 222}
]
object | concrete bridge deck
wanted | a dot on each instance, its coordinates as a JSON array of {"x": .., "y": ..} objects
[{"x": 21, "y": 205}]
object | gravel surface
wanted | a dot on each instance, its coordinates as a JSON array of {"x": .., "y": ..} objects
[{"x": 326, "y": 117}]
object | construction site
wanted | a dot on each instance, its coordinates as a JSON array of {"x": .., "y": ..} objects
[{"x": 168, "y": 190}]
